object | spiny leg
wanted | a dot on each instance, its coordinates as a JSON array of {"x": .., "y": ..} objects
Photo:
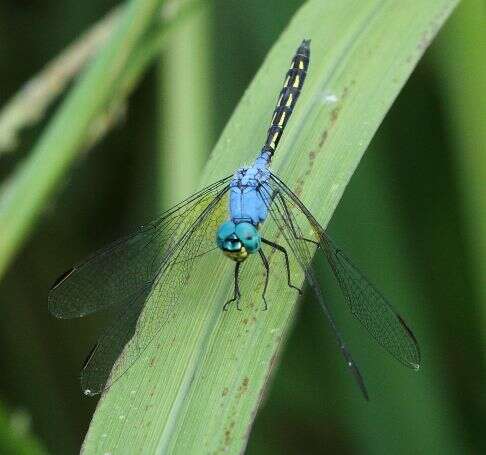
[
  {"x": 236, "y": 292},
  {"x": 267, "y": 275},
  {"x": 287, "y": 263}
]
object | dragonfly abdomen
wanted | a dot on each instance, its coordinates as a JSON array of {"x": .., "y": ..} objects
[{"x": 293, "y": 83}]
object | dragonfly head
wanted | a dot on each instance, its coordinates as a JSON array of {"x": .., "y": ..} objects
[{"x": 238, "y": 240}]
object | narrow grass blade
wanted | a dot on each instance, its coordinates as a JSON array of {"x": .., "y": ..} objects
[
  {"x": 24, "y": 195},
  {"x": 31, "y": 102},
  {"x": 185, "y": 113},
  {"x": 99, "y": 125}
]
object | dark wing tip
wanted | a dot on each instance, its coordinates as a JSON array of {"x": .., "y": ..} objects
[
  {"x": 61, "y": 278},
  {"x": 52, "y": 301},
  {"x": 86, "y": 390},
  {"x": 90, "y": 355},
  {"x": 414, "y": 362}
]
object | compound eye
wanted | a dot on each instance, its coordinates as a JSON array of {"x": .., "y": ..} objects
[
  {"x": 225, "y": 230},
  {"x": 249, "y": 236}
]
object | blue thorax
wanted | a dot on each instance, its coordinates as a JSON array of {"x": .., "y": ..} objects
[
  {"x": 249, "y": 198},
  {"x": 250, "y": 193}
]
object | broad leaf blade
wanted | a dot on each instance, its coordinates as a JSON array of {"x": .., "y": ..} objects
[{"x": 200, "y": 386}]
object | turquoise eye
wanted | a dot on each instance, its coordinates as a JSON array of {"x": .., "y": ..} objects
[
  {"x": 249, "y": 236},
  {"x": 241, "y": 238},
  {"x": 224, "y": 231}
]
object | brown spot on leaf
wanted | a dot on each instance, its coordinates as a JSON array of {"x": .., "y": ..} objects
[
  {"x": 299, "y": 186},
  {"x": 227, "y": 433},
  {"x": 323, "y": 138},
  {"x": 243, "y": 388},
  {"x": 335, "y": 114}
]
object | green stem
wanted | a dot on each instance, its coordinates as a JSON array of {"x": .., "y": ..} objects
[{"x": 184, "y": 107}]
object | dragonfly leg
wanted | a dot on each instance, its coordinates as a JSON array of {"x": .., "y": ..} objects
[
  {"x": 291, "y": 223},
  {"x": 287, "y": 264},
  {"x": 236, "y": 292},
  {"x": 267, "y": 275}
]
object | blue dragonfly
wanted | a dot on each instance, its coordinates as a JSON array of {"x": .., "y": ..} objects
[{"x": 142, "y": 275}]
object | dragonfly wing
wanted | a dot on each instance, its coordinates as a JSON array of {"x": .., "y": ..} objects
[
  {"x": 289, "y": 221},
  {"x": 366, "y": 303},
  {"x": 371, "y": 308},
  {"x": 117, "y": 274},
  {"x": 95, "y": 375},
  {"x": 138, "y": 324}
]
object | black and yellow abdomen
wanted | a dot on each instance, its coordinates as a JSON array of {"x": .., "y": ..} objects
[{"x": 293, "y": 83}]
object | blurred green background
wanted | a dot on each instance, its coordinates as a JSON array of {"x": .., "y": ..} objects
[{"x": 413, "y": 218}]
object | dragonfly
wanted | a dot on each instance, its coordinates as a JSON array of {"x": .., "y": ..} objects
[{"x": 141, "y": 276}]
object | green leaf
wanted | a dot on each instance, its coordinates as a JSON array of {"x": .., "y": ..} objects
[{"x": 198, "y": 387}]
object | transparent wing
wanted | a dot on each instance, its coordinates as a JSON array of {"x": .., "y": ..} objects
[
  {"x": 366, "y": 303},
  {"x": 120, "y": 272},
  {"x": 288, "y": 222},
  {"x": 135, "y": 327},
  {"x": 142, "y": 277}
]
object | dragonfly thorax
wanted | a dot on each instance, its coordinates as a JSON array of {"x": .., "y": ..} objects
[{"x": 238, "y": 240}]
